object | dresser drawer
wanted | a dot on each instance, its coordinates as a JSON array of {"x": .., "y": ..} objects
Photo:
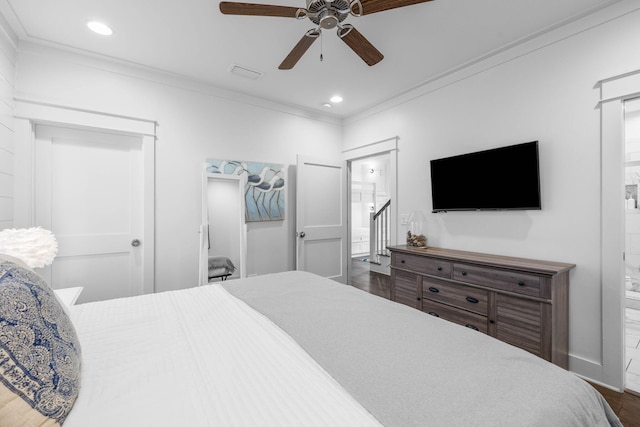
[
  {"x": 521, "y": 283},
  {"x": 405, "y": 289},
  {"x": 434, "y": 267},
  {"x": 455, "y": 315},
  {"x": 462, "y": 296}
]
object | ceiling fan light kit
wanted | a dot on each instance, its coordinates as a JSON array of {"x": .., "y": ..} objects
[{"x": 327, "y": 15}]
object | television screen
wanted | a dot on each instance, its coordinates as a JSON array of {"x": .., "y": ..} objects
[{"x": 498, "y": 179}]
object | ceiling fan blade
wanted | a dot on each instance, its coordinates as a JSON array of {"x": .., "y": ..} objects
[
  {"x": 373, "y": 6},
  {"x": 360, "y": 45},
  {"x": 299, "y": 49},
  {"x": 234, "y": 8}
]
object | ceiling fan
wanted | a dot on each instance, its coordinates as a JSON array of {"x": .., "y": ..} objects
[{"x": 326, "y": 14}]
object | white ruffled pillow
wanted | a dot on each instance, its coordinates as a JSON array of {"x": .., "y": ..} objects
[{"x": 35, "y": 246}]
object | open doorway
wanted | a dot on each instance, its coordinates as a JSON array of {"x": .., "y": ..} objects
[
  {"x": 617, "y": 97},
  {"x": 632, "y": 243},
  {"x": 384, "y": 173},
  {"x": 370, "y": 220}
]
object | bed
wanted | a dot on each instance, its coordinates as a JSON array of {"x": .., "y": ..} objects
[{"x": 295, "y": 349}]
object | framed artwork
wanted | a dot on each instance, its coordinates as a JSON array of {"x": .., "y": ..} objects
[{"x": 264, "y": 193}]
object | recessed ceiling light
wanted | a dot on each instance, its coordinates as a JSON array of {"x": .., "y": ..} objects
[
  {"x": 336, "y": 99},
  {"x": 99, "y": 28}
]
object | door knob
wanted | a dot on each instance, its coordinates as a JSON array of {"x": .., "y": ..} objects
[
  {"x": 302, "y": 234},
  {"x": 135, "y": 243}
]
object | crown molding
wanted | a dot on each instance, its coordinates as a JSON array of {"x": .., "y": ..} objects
[
  {"x": 578, "y": 24},
  {"x": 148, "y": 74}
]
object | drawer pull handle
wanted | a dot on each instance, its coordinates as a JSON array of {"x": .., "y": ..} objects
[
  {"x": 401, "y": 261},
  {"x": 434, "y": 290},
  {"x": 464, "y": 273},
  {"x": 439, "y": 268},
  {"x": 473, "y": 300},
  {"x": 521, "y": 283},
  {"x": 433, "y": 313},
  {"x": 472, "y": 327}
]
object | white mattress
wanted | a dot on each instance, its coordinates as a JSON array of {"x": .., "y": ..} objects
[{"x": 199, "y": 357}]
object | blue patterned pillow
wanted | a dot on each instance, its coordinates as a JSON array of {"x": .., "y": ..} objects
[{"x": 39, "y": 351}]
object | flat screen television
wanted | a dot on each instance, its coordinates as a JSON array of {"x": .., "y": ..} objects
[{"x": 505, "y": 178}]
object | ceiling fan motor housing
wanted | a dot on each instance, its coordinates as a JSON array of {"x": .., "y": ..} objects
[{"x": 327, "y": 14}]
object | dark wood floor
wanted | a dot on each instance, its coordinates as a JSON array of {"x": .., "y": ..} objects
[
  {"x": 626, "y": 405},
  {"x": 362, "y": 278}
]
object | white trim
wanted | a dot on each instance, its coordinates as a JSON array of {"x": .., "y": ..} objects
[
  {"x": 624, "y": 86},
  {"x": 50, "y": 114},
  {"x": 614, "y": 92},
  {"x": 6, "y": 30},
  {"x": 372, "y": 148},
  {"x": 31, "y": 113},
  {"x": 149, "y": 206}
]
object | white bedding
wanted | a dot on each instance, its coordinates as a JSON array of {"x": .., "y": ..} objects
[{"x": 199, "y": 357}]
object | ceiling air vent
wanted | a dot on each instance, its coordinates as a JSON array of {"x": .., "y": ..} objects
[{"x": 248, "y": 73}]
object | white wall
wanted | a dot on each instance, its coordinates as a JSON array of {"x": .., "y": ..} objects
[
  {"x": 544, "y": 90},
  {"x": 195, "y": 123},
  {"x": 7, "y": 77}
]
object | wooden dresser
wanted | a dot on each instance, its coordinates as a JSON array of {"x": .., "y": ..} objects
[{"x": 523, "y": 302}]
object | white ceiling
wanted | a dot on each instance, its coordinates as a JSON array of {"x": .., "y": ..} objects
[{"x": 193, "y": 39}]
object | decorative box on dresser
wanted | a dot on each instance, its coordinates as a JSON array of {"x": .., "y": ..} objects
[{"x": 523, "y": 302}]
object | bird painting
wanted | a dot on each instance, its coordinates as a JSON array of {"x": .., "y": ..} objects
[
  {"x": 264, "y": 198},
  {"x": 270, "y": 188}
]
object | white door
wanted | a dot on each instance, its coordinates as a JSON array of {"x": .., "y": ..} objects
[
  {"x": 321, "y": 217},
  {"x": 89, "y": 193}
]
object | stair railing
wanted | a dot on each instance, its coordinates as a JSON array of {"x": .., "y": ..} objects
[{"x": 379, "y": 223}]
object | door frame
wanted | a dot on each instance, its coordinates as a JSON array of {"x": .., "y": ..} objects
[
  {"x": 614, "y": 92},
  {"x": 28, "y": 114},
  {"x": 390, "y": 146}
]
